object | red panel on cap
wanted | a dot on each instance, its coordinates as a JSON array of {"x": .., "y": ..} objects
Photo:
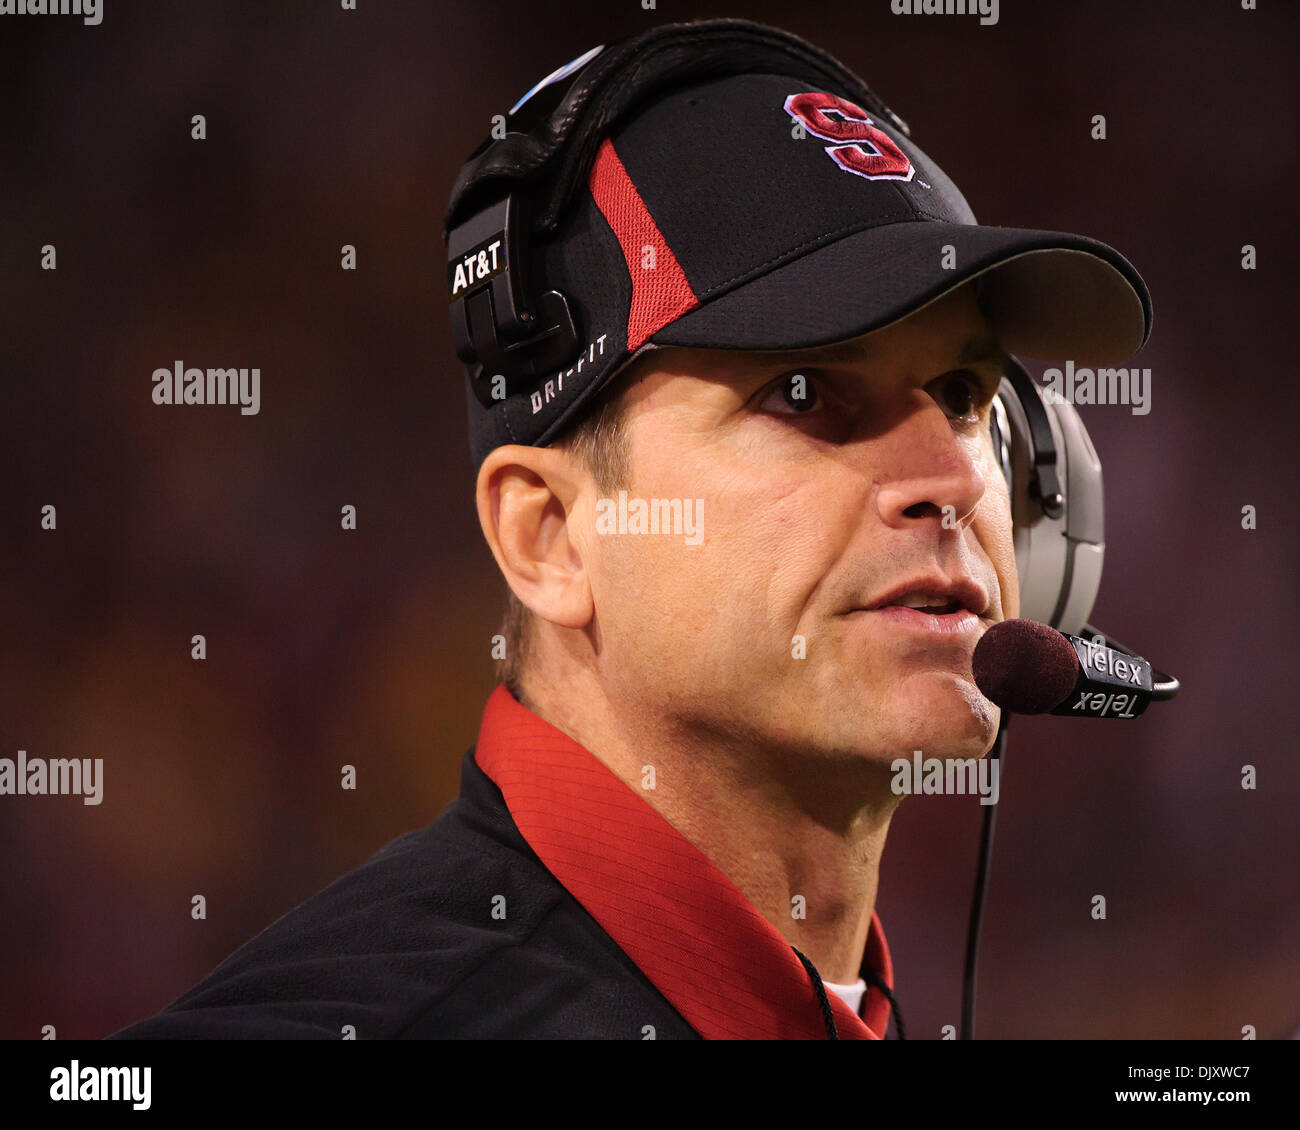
[{"x": 659, "y": 294}]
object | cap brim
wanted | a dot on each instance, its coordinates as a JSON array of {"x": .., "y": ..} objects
[{"x": 1048, "y": 295}]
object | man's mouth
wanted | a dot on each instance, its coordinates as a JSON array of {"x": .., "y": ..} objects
[
  {"x": 934, "y": 594},
  {"x": 931, "y": 605},
  {"x": 943, "y": 621},
  {"x": 934, "y": 603}
]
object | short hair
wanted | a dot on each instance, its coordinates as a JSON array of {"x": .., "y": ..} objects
[{"x": 599, "y": 439}]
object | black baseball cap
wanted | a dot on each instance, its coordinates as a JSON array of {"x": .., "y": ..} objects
[{"x": 762, "y": 211}]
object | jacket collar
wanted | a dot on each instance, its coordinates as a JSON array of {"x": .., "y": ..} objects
[{"x": 685, "y": 925}]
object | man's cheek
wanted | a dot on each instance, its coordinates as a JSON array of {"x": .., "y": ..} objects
[
  {"x": 1011, "y": 594},
  {"x": 1004, "y": 563},
  {"x": 997, "y": 537},
  {"x": 677, "y": 590}
]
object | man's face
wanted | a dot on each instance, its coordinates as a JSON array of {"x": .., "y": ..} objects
[{"x": 837, "y": 485}]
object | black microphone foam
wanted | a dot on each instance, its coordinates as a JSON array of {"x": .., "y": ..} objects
[{"x": 1024, "y": 666}]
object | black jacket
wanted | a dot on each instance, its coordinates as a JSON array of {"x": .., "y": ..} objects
[{"x": 402, "y": 948}]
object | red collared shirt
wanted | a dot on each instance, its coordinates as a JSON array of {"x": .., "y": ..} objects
[{"x": 711, "y": 954}]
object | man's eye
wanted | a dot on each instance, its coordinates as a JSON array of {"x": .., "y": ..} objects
[
  {"x": 793, "y": 394},
  {"x": 959, "y": 393}
]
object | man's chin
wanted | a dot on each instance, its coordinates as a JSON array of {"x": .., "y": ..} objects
[{"x": 943, "y": 715}]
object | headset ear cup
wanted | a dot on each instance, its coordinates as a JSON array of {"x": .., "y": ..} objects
[
  {"x": 1058, "y": 558},
  {"x": 1085, "y": 523}
]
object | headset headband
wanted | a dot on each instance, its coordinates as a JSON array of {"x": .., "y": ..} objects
[{"x": 556, "y": 155}]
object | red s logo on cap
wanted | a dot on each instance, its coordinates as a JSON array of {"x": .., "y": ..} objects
[{"x": 885, "y": 161}]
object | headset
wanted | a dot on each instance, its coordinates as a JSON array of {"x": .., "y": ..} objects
[{"x": 519, "y": 183}]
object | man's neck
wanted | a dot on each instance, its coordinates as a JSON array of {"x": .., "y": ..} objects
[{"x": 800, "y": 837}]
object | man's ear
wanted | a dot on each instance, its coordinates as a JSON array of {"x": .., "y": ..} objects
[{"x": 525, "y": 498}]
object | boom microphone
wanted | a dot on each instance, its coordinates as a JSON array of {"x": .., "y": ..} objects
[{"x": 1029, "y": 668}]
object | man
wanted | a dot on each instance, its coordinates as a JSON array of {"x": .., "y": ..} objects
[{"x": 752, "y": 528}]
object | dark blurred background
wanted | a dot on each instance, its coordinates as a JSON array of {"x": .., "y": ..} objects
[{"x": 329, "y": 127}]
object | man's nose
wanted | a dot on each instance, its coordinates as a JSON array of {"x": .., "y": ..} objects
[{"x": 925, "y": 468}]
